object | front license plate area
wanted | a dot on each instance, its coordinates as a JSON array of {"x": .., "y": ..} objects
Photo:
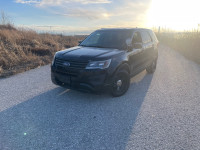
[{"x": 65, "y": 79}]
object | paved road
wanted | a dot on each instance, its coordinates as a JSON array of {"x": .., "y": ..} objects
[{"x": 160, "y": 111}]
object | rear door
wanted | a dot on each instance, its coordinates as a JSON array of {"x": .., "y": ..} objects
[
  {"x": 155, "y": 43},
  {"x": 148, "y": 47}
]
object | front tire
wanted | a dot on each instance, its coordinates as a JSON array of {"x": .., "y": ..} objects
[{"x": 120, "y": 83}]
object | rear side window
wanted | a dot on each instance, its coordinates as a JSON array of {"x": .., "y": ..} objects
[
  {"x": 153, "y": 36},
  {"x": 146, "y": 37}
]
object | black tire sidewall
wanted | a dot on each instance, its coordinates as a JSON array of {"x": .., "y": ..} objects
[
  {"x": 127, "y": 82},
  {"x": 152, "y": 67}
]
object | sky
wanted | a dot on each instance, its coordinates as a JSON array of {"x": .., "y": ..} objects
[{"x": 85, "y": 16}]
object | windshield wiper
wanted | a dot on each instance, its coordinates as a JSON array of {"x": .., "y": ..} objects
[
  {"x": 83, "y": 45},
  {"x": 101, "y": 47},
  {"x": 97, "y": 46},
  {"x": 93, "y": 46}
]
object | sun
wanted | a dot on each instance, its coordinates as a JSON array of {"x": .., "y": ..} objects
[
  {"x": 105, "y": 15},
  {"x": 174, "y": 14}
]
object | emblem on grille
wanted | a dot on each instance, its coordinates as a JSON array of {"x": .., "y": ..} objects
[{"x": 66, "y": 64}]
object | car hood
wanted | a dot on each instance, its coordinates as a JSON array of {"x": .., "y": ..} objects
[{"x": 88, "y": 53}]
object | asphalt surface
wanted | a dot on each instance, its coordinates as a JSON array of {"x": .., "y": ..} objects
[{"x": 159, "y": 112}]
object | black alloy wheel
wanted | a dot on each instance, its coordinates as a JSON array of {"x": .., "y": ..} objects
[
  {"x": 152, "y": 67},
  {"x": 121, "y": 83}
]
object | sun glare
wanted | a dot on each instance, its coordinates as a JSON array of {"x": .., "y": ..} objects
[
  {"x": 105, "y": 15},
  {"x": 174, "y": 14}
]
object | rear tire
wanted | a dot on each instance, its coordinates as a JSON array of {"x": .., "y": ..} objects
[
  {"x": 120, "y": 83},
  {"x": 151, "y": 69}
]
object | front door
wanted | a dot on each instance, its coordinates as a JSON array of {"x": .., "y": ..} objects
[{"x": 136, "y": 54}]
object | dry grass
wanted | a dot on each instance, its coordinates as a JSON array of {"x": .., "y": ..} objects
[
  {"x": 187, "y": 43},
  {"x": 22, "y": 49}
]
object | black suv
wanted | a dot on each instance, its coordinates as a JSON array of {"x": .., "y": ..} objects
[{"x": 106, "y": 60}]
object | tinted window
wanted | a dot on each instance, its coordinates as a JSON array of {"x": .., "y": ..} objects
[
  {"x": 145, "y": 37},
  {"x": 137, "y": 38},
  {"x": 108, "y": 39},
  {"x": 153, "y": 36},
  {"x": 92, "y": 40}
]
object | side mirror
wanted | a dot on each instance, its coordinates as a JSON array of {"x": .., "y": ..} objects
[
  {"x": 129, "y": 44},
  {"x": 137, "y": 45},
  {"x": 80, "y": 42}
]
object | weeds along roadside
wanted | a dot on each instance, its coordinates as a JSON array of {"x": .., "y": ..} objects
[
  {"x": 186, "y": 43},
  {"x": 22, "y": 49}
]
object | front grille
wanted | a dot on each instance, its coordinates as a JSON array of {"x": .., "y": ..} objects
[
  {"x": 73, "y": 64},
  {"x": 72, "y": 70}
]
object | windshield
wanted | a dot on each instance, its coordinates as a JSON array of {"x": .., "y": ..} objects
[{"x": 108, "y": 39}]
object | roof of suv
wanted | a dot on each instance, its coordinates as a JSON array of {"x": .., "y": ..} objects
[{"x": 123, "y": 29}]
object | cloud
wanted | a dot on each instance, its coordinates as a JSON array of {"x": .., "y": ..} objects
[
  {"x": 61, "y": 2},
  {"x": 27, "y": 1},
  {"x": 90, "y": 14},
  {"x": 132, "y": 13},
  {"x": 93, "y": 9},
  {"x": 85, "y": 9}
]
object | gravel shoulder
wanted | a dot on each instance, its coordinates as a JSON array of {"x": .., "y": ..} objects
[{"x": 159, "y": 111}]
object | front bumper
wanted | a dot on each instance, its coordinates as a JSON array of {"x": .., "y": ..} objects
[{"x": 83, "y": 80}]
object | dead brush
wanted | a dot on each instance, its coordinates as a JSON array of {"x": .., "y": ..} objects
[
  {"x": 187, "y": 43},
  {"x": 26, "y": 49}
]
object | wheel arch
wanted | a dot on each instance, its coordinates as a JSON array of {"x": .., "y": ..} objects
[{"x": 124, "y": 66}]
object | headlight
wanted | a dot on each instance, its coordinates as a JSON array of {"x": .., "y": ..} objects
[{"x": 98, "y": 64}]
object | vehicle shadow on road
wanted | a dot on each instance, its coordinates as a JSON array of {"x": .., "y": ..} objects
[{"x": 66, "y": 119}]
